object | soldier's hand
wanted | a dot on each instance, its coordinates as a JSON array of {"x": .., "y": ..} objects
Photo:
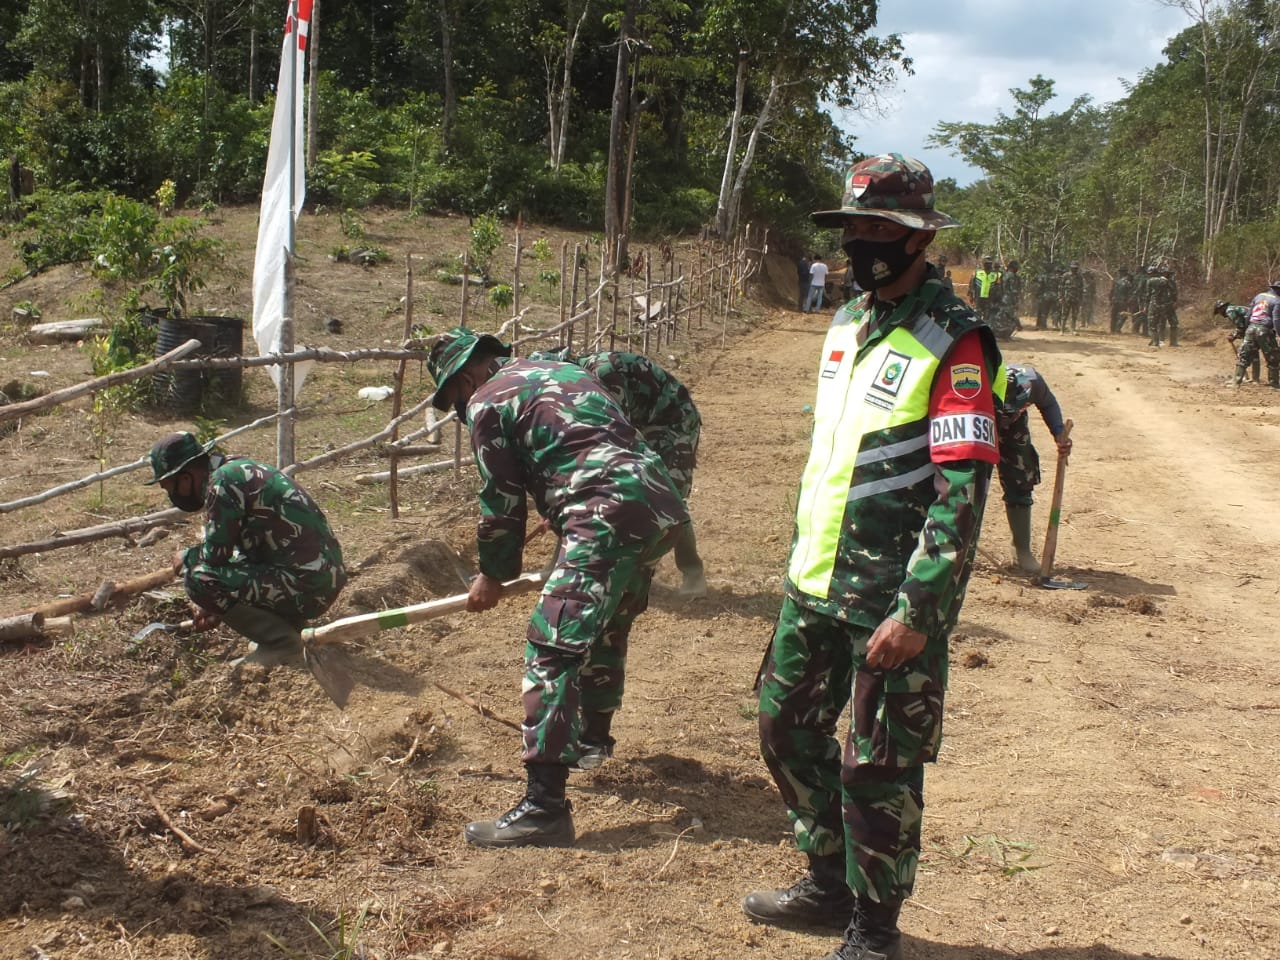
[
  {"x": 202, "y": 619},
  {"x": 484, "y": 594},
  {"x": 179, "y": 559},
  {"x": 893, "y": 644},
  {"x": 1064, "y": 447}
]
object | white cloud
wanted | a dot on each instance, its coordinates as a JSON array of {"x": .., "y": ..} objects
[{"x": 968, "y": 54}]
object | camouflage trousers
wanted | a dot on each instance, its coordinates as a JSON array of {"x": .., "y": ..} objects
[
  {"x": 865, "y": 799},
  {"x": 1163, "y": 320},
  {"x": 576, "y": 646},
  {"x": 1259, "y": 340},
  {"x": 1019, "y": 467},
  {"x": 297, "y": 595}
]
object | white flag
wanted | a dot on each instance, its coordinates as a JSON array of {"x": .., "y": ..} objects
[{"x": 279, "y": 202}]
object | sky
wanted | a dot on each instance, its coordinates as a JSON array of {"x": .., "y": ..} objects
[{"x": 969, "y": 53}]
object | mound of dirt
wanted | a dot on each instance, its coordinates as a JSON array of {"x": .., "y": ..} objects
[{"x": 417, "y": 573}]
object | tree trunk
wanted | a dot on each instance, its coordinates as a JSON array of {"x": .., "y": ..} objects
[
  {"x": 450, "y": 93},
  {"x": 253, "y": 51},
  {"x": 763, "y": 119},
  {"x": 313, "y": 84},
  {"x": 614, "y": 191},
  {"x": 559, "y": 99},
  {"x": 731, "y": 152}
]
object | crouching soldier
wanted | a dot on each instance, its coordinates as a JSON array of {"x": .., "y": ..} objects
[{"x": 269, "y": 561}]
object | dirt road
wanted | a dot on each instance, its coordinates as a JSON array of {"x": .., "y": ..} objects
[{"x": 1106, "y": 788}]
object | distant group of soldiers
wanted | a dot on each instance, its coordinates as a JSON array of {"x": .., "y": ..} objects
[
  {"x": 1148, "y": 299},
  {"x": 996, "y": 295},
  {"x": 1064, "y": 297}
]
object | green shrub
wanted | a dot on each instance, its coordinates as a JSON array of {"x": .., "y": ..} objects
[{"x": 486, "y": 237}]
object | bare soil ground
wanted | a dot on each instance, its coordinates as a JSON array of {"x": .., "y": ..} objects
[{"x": 1105, "y": 792}]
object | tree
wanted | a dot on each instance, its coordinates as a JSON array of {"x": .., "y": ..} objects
[{"x": 799, "y": 52}]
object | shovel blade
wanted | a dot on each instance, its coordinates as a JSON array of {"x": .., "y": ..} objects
[
  {"x": 1051, "y": 583},
  {"x": 327, "y": 666}
]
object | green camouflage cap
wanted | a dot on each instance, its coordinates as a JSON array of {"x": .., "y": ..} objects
[
  {"x": 171, "y": 453},
  {"x": 892, "y": 187},
  {"x": 451, "y": 352}
]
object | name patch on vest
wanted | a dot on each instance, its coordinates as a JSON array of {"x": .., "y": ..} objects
[
  {"x": 888, "y": 380},
  {"x": 954, "y": 430},
  {"x": 831, "y": 366}
]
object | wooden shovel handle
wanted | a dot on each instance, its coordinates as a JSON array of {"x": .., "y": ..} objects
[
  {"x": 1055, "y": 509},
  {"x": 365, "y": 624}
]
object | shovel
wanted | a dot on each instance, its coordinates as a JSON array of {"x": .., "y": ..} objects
[
  {"x": 158, "y": 627},
  {"x": 1051, "y": 535},
  {"x": 333, "y": 677}
]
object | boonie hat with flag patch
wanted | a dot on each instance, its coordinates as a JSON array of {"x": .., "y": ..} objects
[{"x": 892, "y": 187}]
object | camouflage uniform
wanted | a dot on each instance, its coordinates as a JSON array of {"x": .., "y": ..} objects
[
  {"x": 1260, "y": 335},
  {"x": 1046, "y": 294},
  {"x": 1019, "y": 468},
  {"x": 655, "y": 402},
  {"x": 1160, "y": 296},
  {"x": 1121, "y": 291},
  {"x": 904, "y": 552},
  {"x": 1070, "y": 296},
  {"x": 1141, "y": 322},
  {"x": 549, "y": 431},
  {"x": 266, "y": 544},
  {"x": 661, "y": 408}
]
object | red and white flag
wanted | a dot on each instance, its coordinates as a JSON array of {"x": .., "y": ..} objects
[{"x": 282, "y": 200}]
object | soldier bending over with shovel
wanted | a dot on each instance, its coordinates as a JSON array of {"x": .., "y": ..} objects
[
  {"x": 269, "y": 561},
  {"x": 550, "y": 431}
]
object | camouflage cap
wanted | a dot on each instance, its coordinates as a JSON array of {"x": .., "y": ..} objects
[
  {"x": 892, "y": 187},
  {"x": 171, "y": 453},
  {"x": 451, "y": 352}
]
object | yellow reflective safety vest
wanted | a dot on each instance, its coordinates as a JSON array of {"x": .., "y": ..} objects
[
  {"x": 869, "y": 481},
  {"x": 986, "y": 280}
]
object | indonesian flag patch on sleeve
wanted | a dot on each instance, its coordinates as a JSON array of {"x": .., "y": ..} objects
[
  {"x": 962, "y": 423},
  {"x": 831, "y": 366}
]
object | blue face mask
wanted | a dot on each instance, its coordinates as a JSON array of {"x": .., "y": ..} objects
[{"x": 878, "y": 263}]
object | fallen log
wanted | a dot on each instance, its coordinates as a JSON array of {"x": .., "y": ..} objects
[
  {"x": 62, "y": 330},
  {"x": 121, "y": 592},
  {"x": 118, "y": 528}
]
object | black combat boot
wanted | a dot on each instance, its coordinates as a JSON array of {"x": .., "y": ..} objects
[
  {"x": 544, "y": 818},
  {"x": 819, "y": 899},
  {"x": 1239, "y": 378},
  {"x": 595, "y": 746},
  {"x": 872, "y": 934},
  {"x": 1273, "y": 377}
]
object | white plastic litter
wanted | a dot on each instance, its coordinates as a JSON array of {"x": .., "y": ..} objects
[{"x": 375, "y": 393}]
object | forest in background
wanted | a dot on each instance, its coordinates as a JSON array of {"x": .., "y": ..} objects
[{"x": 648, "y": 118}]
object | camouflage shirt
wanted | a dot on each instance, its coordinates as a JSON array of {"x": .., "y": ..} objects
[
  {"x": 1238, "y": 317},
  {"x": 550, "y": 431},
  {"x": 1026, "y": 388},
  {"x": 257, "y": 513},
  {"x": 1161, "y": 292}
]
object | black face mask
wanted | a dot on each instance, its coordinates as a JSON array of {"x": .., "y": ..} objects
[
  {"x": 878, "y": 264},
  {"x": 190, "y": 503}
]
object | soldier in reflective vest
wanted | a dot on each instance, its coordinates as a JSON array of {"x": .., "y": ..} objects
[
  {"x": 887, "y": 523},
  {"x": 982, "y": 288}
]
